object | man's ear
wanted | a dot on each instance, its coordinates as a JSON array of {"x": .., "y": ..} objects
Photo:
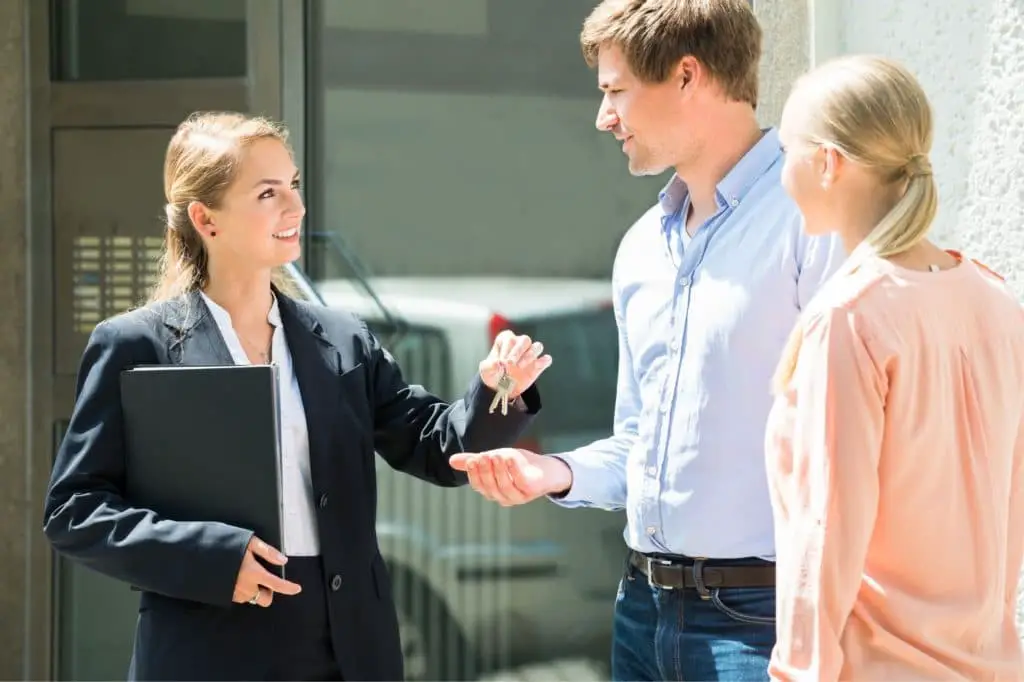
[{"x": 687, "y": 72}]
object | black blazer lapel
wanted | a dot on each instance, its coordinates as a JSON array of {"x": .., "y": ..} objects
[
  {"x": 195, "y": 337},
  {"x": 316, "y": 363}
]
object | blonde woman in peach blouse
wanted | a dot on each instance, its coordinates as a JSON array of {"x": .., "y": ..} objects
[{"x": 895, "y": 446}]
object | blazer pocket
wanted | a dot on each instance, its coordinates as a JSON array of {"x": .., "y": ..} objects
[{"x": 353, "y": 383}]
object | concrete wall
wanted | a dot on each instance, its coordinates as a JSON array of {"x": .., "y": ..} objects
[
  {"x": 969, "y": 56},
  {"x": 787, "y": 52},
  {"x": 14, "y": 507}
]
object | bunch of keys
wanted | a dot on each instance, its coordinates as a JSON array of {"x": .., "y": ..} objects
[{"x": 502, "y": 391}]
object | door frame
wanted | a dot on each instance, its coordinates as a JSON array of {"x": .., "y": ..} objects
[{"x": 274, "y": 85}]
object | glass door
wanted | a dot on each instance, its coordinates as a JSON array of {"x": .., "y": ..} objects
[{"x": 122, "y": 75}]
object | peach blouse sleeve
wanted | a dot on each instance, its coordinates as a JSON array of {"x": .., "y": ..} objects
[{"x": 837, "y": 438}]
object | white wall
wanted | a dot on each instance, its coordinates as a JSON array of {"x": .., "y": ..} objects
[{"x": 969, "y": 56}]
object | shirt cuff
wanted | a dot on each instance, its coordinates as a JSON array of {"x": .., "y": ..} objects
[{"x": 583, "y": 481}]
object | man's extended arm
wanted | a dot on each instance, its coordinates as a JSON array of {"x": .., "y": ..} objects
[{"x": 590, "y": 476}]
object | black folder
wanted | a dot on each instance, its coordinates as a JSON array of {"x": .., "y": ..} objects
[{"x": 204, "y": 444}]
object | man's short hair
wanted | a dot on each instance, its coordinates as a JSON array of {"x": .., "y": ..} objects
[{"x": 723, "y": 35}]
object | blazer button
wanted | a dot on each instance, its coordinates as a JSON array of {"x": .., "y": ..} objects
[
  {"x": 336, "y": 583},
  {"x": 323, "y": 501}
]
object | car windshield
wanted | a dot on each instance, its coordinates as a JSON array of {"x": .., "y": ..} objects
[{"x": 578, "y": 389}]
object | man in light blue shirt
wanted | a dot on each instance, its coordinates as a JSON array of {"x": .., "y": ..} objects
[
  {"x": 707, "y": 286},
  {"x": 702, "y": 321}
]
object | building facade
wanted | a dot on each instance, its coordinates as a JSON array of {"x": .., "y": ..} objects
[{"x": 454, "y": 140}]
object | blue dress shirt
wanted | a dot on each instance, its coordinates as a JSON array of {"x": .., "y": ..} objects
[{"x": 702, "y": 322}]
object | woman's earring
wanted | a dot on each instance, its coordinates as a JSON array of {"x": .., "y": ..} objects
[{"x": 213, "y": 234}]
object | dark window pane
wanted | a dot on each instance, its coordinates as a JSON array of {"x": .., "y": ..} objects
[
  {"x": 111, "y": 40},
  {"x": 461, "y": 140}
]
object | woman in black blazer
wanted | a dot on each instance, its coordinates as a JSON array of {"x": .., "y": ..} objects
[{"x": 209, "y": 610}]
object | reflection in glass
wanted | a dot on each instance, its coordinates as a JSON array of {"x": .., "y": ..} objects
[
  {"x": 467, "y": 140},
  {"x": 453, "y": 163}
]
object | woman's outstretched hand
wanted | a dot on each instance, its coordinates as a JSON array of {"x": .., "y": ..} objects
[{"x": 518, "y": 355}]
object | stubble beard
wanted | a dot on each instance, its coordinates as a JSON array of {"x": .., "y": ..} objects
[{"x": 643, "y": 167}]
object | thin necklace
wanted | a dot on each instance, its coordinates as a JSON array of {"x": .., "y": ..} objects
[{"x": 264, "y": 355}]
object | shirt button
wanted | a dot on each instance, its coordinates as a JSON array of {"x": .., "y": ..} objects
[
  {"x": 675, "y": 344},
  {"x": 652, "y": 470},
  {"x": 323, "y": 501},
  {"x": 336, "y": 583},
  {"x": 650, "y": 530},
  {"x": 664, "y": 408},
  {"x": 735, "y": 202}
]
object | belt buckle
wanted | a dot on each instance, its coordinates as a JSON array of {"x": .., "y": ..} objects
[{"x": 651, "y": 563}]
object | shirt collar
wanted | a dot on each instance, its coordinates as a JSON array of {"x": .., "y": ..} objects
[
  {"x": 736, "y": 183},
  {"x": 223, "y": 318}
]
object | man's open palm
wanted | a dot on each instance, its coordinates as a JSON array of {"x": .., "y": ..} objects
[{"x": 511, "y": 476}]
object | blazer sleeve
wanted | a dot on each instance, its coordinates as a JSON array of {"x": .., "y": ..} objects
[
  {"x": 86, "y": 517},
  {"x": 416, "y": 432}
]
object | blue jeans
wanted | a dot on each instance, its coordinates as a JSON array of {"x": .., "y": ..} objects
[{"x": 661, "y": 634}]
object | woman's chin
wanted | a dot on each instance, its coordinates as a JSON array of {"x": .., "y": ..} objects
[{"x": 287, "y": 252}]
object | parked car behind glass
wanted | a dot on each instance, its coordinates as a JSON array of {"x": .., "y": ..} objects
[{"x": 480, "y": 587}]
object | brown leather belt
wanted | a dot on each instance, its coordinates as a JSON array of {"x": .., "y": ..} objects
[{"x": 672, "y": 574}]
